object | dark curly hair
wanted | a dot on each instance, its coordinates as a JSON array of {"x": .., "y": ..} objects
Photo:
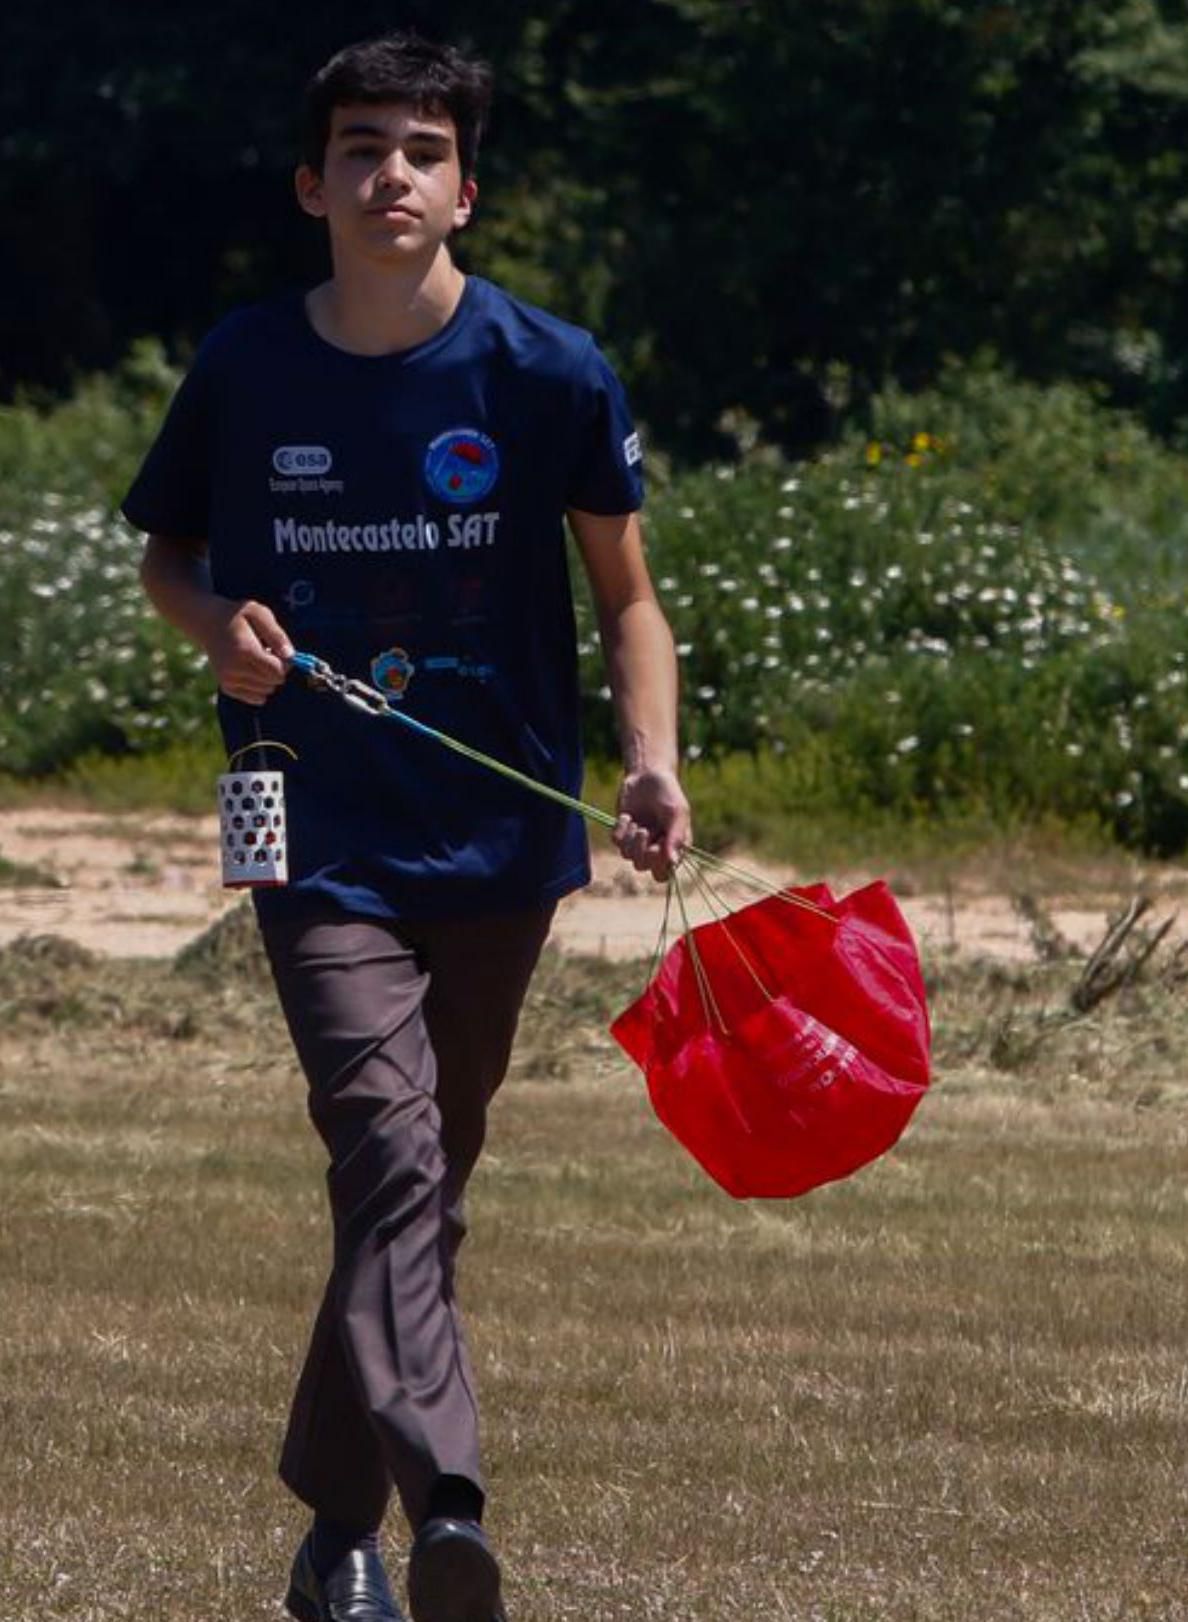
[{"x": 405, "y": 68}]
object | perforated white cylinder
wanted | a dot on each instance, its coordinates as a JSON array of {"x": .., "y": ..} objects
[{"x": 252, "y": 833}]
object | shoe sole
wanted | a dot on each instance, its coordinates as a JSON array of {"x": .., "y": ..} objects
[
  {"x": 303, "y": 1609},
  {"x": 454, "y": 1580}
]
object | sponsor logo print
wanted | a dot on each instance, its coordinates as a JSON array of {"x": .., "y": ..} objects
[
  {"x": 632, "y": 450},
  {"x": 461, "y": 466},
  {"x": 306, "y": 487},
  {"x": 300, "y": 594},
  {"x": 302, "y": 470},
  {"x": 302, "y": 461},
  {"x": 464, "y": 531},
  {"x": 391, "y": 671},
  {"x": 470, "y": 669}
]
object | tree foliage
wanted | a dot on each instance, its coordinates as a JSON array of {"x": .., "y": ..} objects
[{"x": 772, "y": 205}]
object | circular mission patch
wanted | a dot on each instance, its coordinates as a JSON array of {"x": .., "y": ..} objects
[{"x": 461, "y": 466}]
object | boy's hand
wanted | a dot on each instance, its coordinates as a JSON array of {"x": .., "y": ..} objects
[
  {"x": 655, "y": 823},
  {"x": 247, "y": 648}
]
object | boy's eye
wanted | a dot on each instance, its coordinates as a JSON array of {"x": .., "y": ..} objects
[{"x": 422, "y": 157}]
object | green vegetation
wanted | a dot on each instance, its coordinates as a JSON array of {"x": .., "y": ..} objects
[
  {"x": 973, "y": 608},
  {"x": 783, "y": 205},
  {"x": 932, "y": 250},
  {"x": 968, "y": 613}
]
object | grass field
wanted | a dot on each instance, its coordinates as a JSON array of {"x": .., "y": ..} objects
[{"x": 954, "y": 1387}]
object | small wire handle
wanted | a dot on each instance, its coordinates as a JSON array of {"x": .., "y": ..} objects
[{"x": 260, "y": 743}]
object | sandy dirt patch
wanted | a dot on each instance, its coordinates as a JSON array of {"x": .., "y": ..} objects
[{"x": 142, "y": 886}]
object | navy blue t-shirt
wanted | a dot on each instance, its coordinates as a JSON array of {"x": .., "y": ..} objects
[{"x": 402, "y": 515}]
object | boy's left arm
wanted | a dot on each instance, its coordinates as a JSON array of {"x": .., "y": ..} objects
[{"x": 654, "y": 822}]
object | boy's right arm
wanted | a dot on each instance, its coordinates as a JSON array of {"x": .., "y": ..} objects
[{"x": 244, "y": 641}]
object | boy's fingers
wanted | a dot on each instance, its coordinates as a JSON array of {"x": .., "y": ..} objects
[
  {"x": 248, "y": 690},
  {"x": 268, "y": 629},
  {"x": 643, "y": 849},
  {"x": 653, "y": 850}
]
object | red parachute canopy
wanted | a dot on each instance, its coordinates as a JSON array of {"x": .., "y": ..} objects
[{"x": 786, "y": 1045}]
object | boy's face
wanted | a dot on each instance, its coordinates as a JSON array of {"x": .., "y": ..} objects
[{"x": 391, "y": 187}]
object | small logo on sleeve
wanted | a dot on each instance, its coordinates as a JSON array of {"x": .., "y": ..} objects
[
  {"x": 632, "y": 450},
  {"x": 461, "y": 466}
]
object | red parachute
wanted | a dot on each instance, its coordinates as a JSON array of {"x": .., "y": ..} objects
[{"x": 786, "y": 1045}]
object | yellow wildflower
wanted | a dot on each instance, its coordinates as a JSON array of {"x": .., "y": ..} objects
[{"x": 874, "y": 453}]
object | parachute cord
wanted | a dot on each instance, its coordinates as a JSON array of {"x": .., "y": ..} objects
[
  {"x": 721, "y": 912},
  {"x": 708, "y": 1000},
  {"x": 372, "y": 702},
  {"x": 662, "y": 938},
  {"x": 757, "y": 882}
]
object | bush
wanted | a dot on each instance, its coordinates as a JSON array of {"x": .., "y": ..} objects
[
  {"x": 949, "y": 614},
  {"x": 1085, "y": 477},
  {"x": 83, "y": 666}
]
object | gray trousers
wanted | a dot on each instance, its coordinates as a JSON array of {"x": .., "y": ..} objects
[{"x": 404, "y": 1030}]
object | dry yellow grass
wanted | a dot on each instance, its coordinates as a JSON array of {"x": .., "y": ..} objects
[{"x": 955, "y": 1387}]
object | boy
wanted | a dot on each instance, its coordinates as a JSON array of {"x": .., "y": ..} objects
[{"x": 376, "y": 472}]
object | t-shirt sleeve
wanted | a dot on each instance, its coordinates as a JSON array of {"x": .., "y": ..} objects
[
  {"x": 171, "y": 493},
  {"x": 607, "y": 471}
]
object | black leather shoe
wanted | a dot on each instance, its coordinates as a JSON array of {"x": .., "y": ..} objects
[
  {"x": 452, "y": 1574},
  {"x": 355, "y": 1591}
]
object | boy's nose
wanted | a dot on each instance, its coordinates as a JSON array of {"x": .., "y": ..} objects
[{"x": 394, "y": 170}]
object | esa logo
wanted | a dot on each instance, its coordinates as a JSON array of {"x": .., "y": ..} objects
[{"x": 296, "y": 460}]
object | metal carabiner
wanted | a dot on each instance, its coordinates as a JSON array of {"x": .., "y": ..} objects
[
  {"x": 323, "y": 678},
  {"x": 316, "y": 671},
  {"x": 361, "y": 697}
]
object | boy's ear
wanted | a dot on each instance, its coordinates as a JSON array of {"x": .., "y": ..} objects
[
  {"x": 307, "y": 183},
  {"x": 464, "y": 207}
]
